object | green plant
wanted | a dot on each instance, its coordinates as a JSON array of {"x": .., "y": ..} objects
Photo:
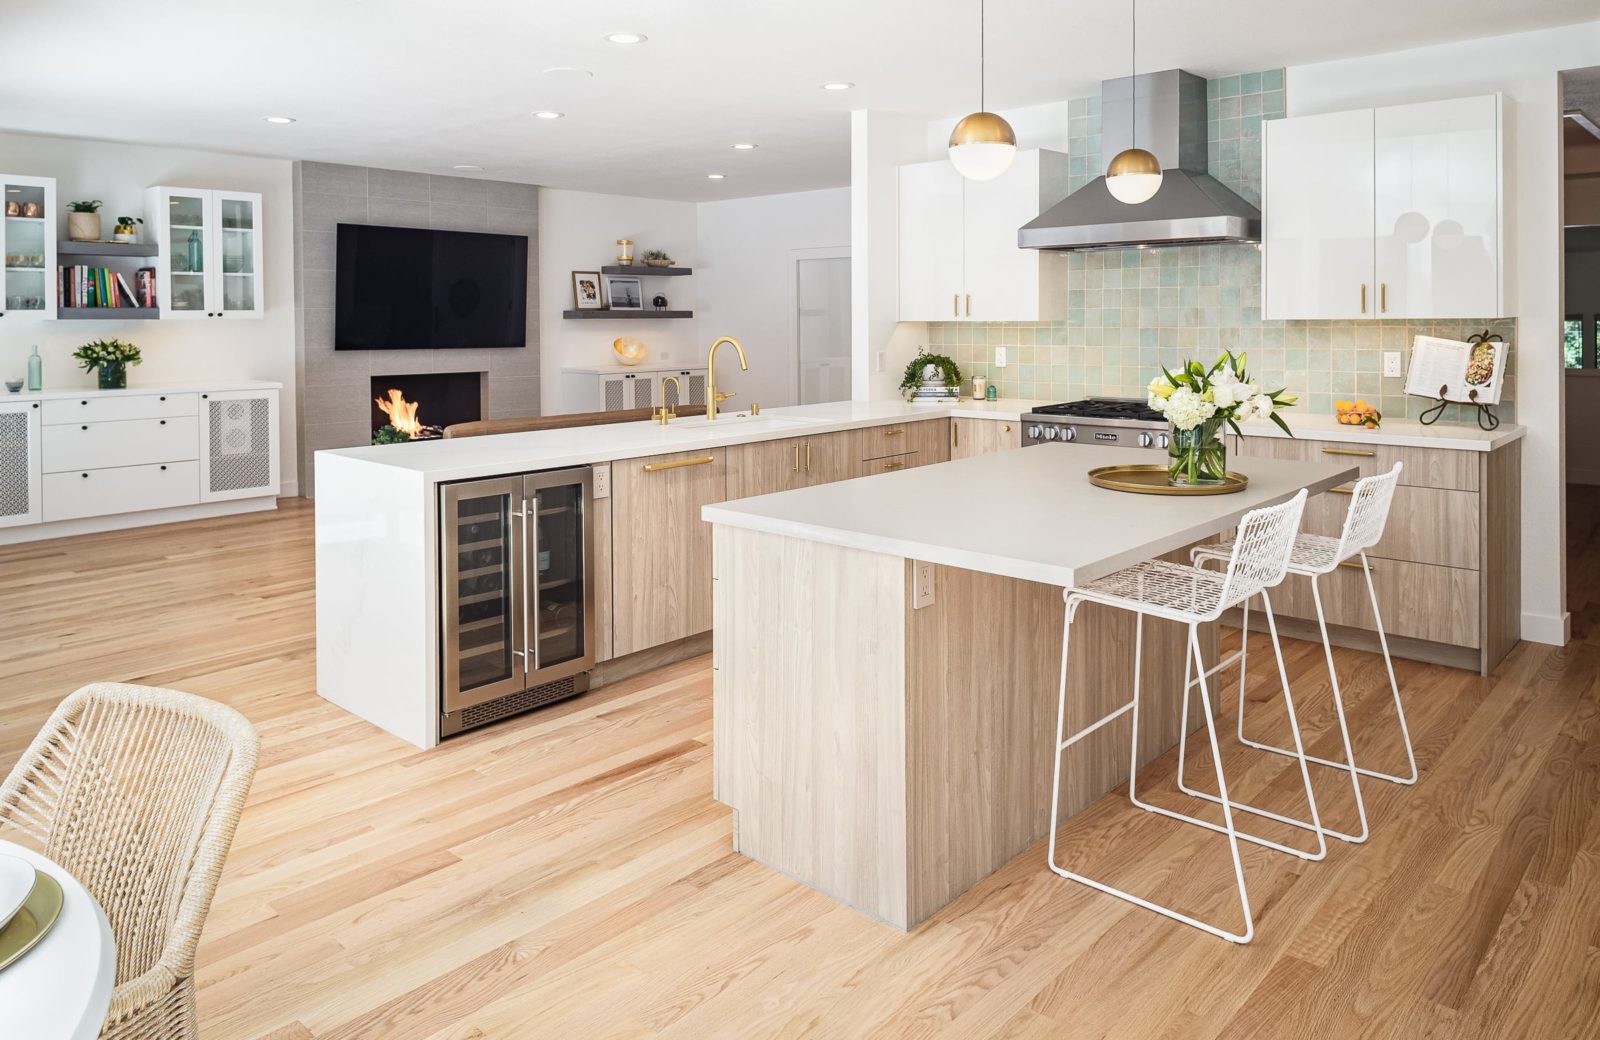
[
  {"x": 1224, "y": 393},
  {"x": 657, "y": 254},
  {"x": 387, "y": 434},
  {"x": 948, "y": 371},
  {"x": 129, "y": 222},
  {"x": 106, "y": 352},
  {"x": 91, "y": 206}
]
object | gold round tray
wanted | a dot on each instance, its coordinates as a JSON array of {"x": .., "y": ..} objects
[
  {"x": 1152, "y": 480},
  {"x": 30, "y": 923}
]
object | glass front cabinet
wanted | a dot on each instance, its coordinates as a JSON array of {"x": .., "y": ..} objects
[
  {"x": 209, "y": 264},
  {"x": 28, "y": 238}
]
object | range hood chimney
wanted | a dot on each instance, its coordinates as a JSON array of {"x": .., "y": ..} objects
[{"x": 1192, "y": 206}]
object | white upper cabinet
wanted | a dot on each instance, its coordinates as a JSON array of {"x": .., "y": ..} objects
[
  {"x": 959, "y": 259},
  {"x": 28, "y": 243},
  {"x": 1391, "y": 212},
  {"x": 1317, "y": 209},
  {"x": 209, "y": 265},
  {"x": 1438, "y": 209}
]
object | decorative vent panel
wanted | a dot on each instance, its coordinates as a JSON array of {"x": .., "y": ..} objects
[
  {"x": 241, "y": 444},
  {"x": 15, "y": 466},
  {"x": 614, "y": 398}
]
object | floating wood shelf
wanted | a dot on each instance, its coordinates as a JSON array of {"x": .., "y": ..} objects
[
  {"x": 627, "y": 315},
  {"x": 648, "y": 271},
  {"x": 108, "y": 249},
  {"x": 107, "y": 313}
]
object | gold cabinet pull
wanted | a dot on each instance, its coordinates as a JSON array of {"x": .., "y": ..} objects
[
  {"x": 1363, "y": 297},
  {"x": 969, "y": 305},
  {"x": 1362, "y": 452},
  {"x": 797, "y": 458},
  {"x": 1005, "y": 427},
  {"x": 808, "y": 456},
  {"x": 1383, "y": 297},
  {"x": 1342, "y": 491},
  {"x": 893, "y": 465},
  {"x": 897, "y": 431},
  {"x": 955, "y": 434},
  {"x": 1355, "y": 565},
  {"x": 657, "y": 467},
  {"x": 955, "y": 305}
]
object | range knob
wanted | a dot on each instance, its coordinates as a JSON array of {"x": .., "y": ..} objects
[
  {"x": 1050, "y": 433},
  {"x": 1146, "y": 439},
  {"x": 1033, "y": 433},
  {"x": 1163, "y": 441},
  {"x": 1069, "y": 433}
]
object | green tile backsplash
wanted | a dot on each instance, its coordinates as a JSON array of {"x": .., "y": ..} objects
[{"x": 1131, "y": 310}]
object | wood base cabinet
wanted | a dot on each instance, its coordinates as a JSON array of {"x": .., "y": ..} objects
[
  {"x": 772, "y": 466},
  {"x": 969, "y": 437}
]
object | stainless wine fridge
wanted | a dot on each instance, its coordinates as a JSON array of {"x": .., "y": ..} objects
[{"x": 516, "y": 580}]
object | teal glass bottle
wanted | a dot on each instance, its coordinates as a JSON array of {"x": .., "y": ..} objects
[
  {"x": 35, "y": 370},
  {"x": 196, "y": 263}
]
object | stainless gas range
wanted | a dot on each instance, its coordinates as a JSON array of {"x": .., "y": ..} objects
[{"x": 1119, "y": 421}]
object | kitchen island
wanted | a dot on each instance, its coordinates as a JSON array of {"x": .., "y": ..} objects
[{"x": 887, "y": 659}]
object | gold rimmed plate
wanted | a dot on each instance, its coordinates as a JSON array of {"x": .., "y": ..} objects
[
  {"x": 1152, "y": 480},
  {"x": 30, "y": 923}
]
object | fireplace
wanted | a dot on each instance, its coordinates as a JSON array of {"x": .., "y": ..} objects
[{"x": 422, "y": 405}]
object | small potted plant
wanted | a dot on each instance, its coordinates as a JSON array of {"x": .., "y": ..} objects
[
  {"x": 83, "y": 220},
  {"x": 931, "y": 377},
  {"x": 127, "y": 229},
  {"x": 657, "y": 258},
  {"x": 112, "y": 357}
]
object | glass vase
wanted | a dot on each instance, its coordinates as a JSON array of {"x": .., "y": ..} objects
[
  {"x": 113, "y": 375},
  {"x": 1197, "y": 457}
]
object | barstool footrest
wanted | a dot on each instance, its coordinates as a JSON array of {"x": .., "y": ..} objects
[{"x": 1085, "y": 731}]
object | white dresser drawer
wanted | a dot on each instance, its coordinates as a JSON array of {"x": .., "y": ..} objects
[
  {"x": 103, "y": 407},
  {"x": 129, "y": 489},
  {"x": 130, "y": 442}
]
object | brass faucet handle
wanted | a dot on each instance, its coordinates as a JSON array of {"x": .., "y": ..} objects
[
  {"x": 724, "y": 396},
  {"x": 755, "y": 408}
]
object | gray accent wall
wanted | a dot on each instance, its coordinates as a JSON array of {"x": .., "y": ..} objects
[{"x": 335, "y": 386}]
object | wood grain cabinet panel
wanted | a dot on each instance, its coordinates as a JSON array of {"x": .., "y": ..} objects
[
  {"x": 876, "y": 442},
  {"x": 661, "y": 550},
  {"x": 768, "y": 467},
  {"x": 969, "y": 437},
  {"x": 1424, "y": 467},
  {"x": 1426, "y": 525},
  {"x": 1419, "y": 601}
]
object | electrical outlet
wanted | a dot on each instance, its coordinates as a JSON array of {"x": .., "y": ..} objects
[
  {"x": 922, "y": 591},
  {"x": 1391, "y": 364},
  {"x": 999, "y": 357},
  {"x": 602, "y": 482}
]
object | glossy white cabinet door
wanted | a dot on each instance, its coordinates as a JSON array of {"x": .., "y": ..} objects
[
  {"x": 28, "y": 244},
  {"x": 1438, "y": 209},
  {"x": 1002, "y": 279},
  {"x": 1317, "y": 206},
  {"x": 183, "y": 266},
  {"x": 235, "y": 240},
  {"x": 932, "y": 242}
]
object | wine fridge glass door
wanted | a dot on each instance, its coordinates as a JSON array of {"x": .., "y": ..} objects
[
  {"x": 484, "y": 630},
  {"x": 561, "y": 625}
]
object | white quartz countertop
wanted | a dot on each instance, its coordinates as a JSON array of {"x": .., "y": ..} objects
[
  {"x": 1029, "y": 514},
  {"x": 1394, "y": 432},
  {"x": 466, "y": 458},
  {"x": 135, "y": 390}
]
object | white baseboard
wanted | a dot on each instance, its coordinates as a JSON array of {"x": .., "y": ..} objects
[
  {"x": 289, "y": 489},
  {"x": 1542, "y": 628},
  {"x": 123, "y": 521}
]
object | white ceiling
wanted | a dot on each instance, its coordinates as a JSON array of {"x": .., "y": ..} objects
[{"x": 426, "y": 84}]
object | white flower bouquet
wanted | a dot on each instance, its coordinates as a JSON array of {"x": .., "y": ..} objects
[{"x": 1197, "y": 401}]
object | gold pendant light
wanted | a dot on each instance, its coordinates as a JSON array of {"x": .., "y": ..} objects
[
  {"x": 1134, "y": 175},
  {"x": 982, "y": 145}
]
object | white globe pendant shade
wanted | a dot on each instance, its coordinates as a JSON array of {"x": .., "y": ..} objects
[
  {"x": 1134, "y": 176},
  {"x": 982, "y": 146}
]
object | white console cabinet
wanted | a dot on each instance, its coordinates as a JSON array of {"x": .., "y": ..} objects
[
  {"x": 610, "y": 388},
  {"x": 92, "y": 460}
]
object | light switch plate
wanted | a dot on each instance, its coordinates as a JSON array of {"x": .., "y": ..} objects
[
  {"x": 1000, "y": 357},
  {"x": 922, "y": 589},
  {"x": 1391, "y": 364},
  {"x": 878, "y": 358},
  {"x": 602, "y": 482}
]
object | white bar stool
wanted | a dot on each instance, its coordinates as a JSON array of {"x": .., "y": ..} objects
[
  {"x": 1315, "y": 556},
  {"x": 1192, "y": 596}
]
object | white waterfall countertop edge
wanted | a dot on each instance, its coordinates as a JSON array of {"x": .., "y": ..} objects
[{"x": 1028, "y": 514}]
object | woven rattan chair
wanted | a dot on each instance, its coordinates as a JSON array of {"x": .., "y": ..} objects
[{"x": 136, "y": 791}]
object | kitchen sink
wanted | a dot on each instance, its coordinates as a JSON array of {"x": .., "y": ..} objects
[{"x": 734, "y": 423}]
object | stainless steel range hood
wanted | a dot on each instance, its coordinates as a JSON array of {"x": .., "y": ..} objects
[{"x": 1191, "y": 206}]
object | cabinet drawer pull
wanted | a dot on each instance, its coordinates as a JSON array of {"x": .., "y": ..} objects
[
  {"x": 887, "y": 465},
  {"x": 83, "y": 427},
  {"x": 796, "y": 467},
  {"x": 808, "y": 456},
  {"x": 1342, "y": 491},
  {"x": 657, "y": 467},
  {"x": 163, "y": 422},
  {"x": 1005, "y": 428},
  {"x": 897, "y": 431},
  {"x": 1361, "y": 452},
  {"x": 1355, "y": 565}
]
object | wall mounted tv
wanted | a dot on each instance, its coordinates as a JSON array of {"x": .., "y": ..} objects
[{"x": 405, "y": 288}]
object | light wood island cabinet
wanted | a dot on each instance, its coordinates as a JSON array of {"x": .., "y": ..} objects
[
  {"x": 772, "y": 466},
  {"x": 969, "y": 437}
]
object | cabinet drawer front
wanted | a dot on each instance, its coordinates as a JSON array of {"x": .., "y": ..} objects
[
  {"x": 102, "y": 492},
  {"x": 130, "y": 442},
  {"x": 889, "y": 464},
  {"x": 1424, "y": 467},
  {"x": 103, "y": 408},
  {"x": 1419, "y": 601},
  {"x": 876, "y": 442},
  {"x": 1426, "y": 525}
]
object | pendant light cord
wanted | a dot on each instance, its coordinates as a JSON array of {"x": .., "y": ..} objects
[
  {"x": 1133, "y": 72},
  {"x": 983, "y": 48}
]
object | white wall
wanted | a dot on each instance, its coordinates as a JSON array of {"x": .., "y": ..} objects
[
  {"x": 746, "y": 273},
  {"x": 174, "y": 351},
  {"x": 881, "y": 347},
  {"x": 1525, "y": 68},
  {"x": 578, "y": 232}
]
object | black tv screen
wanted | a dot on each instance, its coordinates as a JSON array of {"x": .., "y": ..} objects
[{"x": 401, "y": 288}]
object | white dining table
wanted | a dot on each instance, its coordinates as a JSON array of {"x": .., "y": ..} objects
[{"x": 60, "y": 989}]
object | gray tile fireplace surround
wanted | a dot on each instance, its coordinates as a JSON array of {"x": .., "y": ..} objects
[{"x": 335, "y": 398}]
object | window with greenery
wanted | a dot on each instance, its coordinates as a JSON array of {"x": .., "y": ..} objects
[{"x": 1578, "y": 340}]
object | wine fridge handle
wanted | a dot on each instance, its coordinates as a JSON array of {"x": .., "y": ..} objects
[
  {"x": 530, "y": 608},
  {"x": 519, "y": 603}
]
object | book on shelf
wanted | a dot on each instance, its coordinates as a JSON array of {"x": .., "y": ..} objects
[{"x": 81, "y": 286}]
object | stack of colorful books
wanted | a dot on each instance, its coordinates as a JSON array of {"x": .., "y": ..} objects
[{"x": 83, "y": 286}]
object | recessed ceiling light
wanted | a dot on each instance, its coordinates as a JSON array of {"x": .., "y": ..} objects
[
  {"x": 840, "y": 85},
  {"x": 626, "y": 37},
  {"x": 545, "y": 114},
  {"x": 280, "y": 119},
  {"x": 714, "y": 176},
  {"x": 466, "y": 166},
  {"x": 743, "y": 147},
  {"x": 568, "y": 72}
]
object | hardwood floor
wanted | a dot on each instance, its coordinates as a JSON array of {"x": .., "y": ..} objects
[{"x": 568, "y": 874}]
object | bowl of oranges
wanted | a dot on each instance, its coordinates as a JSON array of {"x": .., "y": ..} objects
[{"x": 1357, "y": 413}]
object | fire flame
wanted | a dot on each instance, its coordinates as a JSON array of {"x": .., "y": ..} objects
[{"x": 402, "y": 413}]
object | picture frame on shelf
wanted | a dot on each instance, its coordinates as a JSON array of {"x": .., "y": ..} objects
[
  {"x": 624, "y": 293},
  {"x": 586, "y": 291}
]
